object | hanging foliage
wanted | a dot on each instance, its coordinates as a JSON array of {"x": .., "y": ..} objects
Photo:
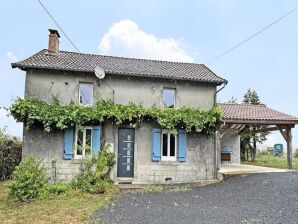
[{"x": 35, "y": 113}]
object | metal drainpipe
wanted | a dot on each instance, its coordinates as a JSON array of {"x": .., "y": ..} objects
[{"x": 215, "y": 136}]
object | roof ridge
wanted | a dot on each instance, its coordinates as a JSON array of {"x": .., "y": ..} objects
[
  {"x": 132, "y": 58},
  {"x": 245, "y": 104}
]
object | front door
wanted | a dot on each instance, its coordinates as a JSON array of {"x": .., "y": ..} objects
[{"x": 126, "y": 138}]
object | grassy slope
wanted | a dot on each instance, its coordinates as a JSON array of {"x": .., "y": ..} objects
[
  {"x": 74, "y": 207},
  {"x": 273, "y": 161}
]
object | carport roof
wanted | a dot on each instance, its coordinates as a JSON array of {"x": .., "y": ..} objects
[{"x": 254, "y": 114}]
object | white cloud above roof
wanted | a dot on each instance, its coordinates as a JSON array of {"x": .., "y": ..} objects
[
  {"x": 11, "y": 56},
  {"x": 125, "y": 38}
]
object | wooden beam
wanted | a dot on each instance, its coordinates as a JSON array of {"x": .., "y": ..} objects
[{"x": 262, "y": 130}]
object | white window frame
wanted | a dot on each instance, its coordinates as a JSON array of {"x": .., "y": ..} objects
[
  {"x": 84, "y": 128},
  {"x": 86, "y": 83},
  {"x": 163, "y": 92},
  {"x": 168, "y": 157}
]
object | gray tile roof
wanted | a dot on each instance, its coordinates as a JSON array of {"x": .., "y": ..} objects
[
  {"x": 72, "y": 61},
  {"x": 248, "y": 113}
]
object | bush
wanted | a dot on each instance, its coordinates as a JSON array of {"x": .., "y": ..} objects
[
  {"x": 55, "y": 188},
  {"x": 95, "y": 180},
  {"x": 296, "y": 153},
  {"x": 28, "y": 180},
  {"x": 10, "y": 154}
]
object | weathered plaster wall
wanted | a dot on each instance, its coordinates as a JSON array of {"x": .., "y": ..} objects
[
  {"x": 49, "y": 148},
  {"x": 231, "y": 142},
  {"x": 199, "y": 164},
  {"x": 148, "y": 92}
]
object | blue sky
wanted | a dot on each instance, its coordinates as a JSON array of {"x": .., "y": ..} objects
[{"x": 173, "y": 30}]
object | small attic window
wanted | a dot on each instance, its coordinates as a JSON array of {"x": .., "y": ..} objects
[{"x": 86, "y": 93}]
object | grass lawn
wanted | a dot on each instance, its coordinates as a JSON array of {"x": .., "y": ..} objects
[
  {"x": 74, "y": 207},
  {"x": 273, "y": 161}
]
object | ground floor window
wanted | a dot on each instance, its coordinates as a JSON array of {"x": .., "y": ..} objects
[
  {"x": 83, "y": 142},
  {"x": 168, "y": 145}
]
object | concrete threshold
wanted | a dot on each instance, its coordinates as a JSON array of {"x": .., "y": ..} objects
[
  {"x": 234, "y": 169},
  {"x": 166, "y": 186}
]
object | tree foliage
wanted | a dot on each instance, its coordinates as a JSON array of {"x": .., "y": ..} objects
[
  {"x": 35, "y": 113},
  {"x": 249, "y": 141},
  {"x": 10, "y": 154}
]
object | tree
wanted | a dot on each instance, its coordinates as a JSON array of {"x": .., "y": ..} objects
[
  {"x": 251, "y": 97},
  {"x": 232, "y": 100}
]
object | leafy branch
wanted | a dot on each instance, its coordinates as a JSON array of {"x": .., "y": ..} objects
[{"x": 35, "y": 113}]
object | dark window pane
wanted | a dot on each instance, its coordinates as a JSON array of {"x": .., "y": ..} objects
[
  {"x": 169, "y": 97},
  {"x": 88, "y": 142},
  {"x": 164, "y": 144},
  {"x": 86, "y": 93},
  {"x": 80, "y": 142},
  {"x": 172, "y": 145}
]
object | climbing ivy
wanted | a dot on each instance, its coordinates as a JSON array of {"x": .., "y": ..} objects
[{"x": 35, "y": 113}]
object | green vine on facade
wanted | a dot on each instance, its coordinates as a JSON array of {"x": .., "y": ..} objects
[{"x": 35, "y": 113}]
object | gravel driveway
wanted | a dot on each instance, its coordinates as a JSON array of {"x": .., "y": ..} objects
[{"x": 253, "y": 198}]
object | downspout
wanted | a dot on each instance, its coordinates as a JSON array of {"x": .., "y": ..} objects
[{"x": 215, "y": 135}]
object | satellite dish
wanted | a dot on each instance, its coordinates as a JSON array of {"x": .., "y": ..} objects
[{"x": 99, "y": 72}]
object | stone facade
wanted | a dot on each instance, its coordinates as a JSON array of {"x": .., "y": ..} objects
[
  {"x": 231, "y": 142},
  {"x": 201, "y": 159}
]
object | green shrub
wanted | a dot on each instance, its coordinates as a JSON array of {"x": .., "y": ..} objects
[
  {"x": 105, "y": 163},
  {"x": 54, "y": 189},
  {"x": 296, "y": 153},
  {"x": 10, "y": 154},
  {"x": 28, "y": 180},
  {"x": 57, "y": 188},
  {"x": 96, "y": 180}
]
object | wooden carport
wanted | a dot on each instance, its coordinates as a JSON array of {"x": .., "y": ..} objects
[{"x": 242, "y": 116}]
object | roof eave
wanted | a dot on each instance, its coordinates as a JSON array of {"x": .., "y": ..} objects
[
  {"x": 25, "y": 67},
  {"x": 258, "y": 122}
]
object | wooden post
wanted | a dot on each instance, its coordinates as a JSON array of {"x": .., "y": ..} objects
[
  {"x": 287, "y": 134},
  {"x": 289, "y": 147}
]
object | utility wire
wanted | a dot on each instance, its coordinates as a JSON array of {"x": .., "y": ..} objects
[
  {"x": 47, "y": 11},
  {"x": 252, "y": 36},
  {"x": 70, "y": 41}
]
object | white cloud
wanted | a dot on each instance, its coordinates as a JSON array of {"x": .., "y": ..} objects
[
  {"x": 125, "y": 38},
  {"x": 11, "y": 56}
]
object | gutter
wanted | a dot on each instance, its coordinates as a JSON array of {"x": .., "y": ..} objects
[{"x": 215, "y": 136}]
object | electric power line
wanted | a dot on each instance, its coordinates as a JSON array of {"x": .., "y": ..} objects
[
  {"x": 252, "y": 36},
  {"x": 47, "y": 11},
  {"x": 70, "y": 41}
]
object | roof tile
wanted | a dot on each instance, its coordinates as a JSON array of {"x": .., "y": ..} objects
[
  {"x": 254, "y": 113},
  {"x": 72, "y": 61}
]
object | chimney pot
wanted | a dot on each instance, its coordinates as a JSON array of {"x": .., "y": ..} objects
[{"x": 53, "y": 41}]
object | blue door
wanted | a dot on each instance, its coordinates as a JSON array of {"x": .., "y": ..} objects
[{"x": 125, "y": 164}]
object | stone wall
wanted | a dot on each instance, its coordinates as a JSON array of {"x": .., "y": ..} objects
[
  {"x": 65, "y": 85},
  {"x": 231, "y": 142}
]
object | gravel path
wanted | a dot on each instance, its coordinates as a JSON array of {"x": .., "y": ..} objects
[{"x": 253, "y": 198}]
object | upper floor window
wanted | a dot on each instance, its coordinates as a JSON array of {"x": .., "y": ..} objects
[
  {"x": 86, "y": 93},
  {"x": 169, "y": 96},
  {"x": 83, "y": 142}
]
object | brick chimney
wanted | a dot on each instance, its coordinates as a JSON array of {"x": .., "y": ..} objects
[{"x": 53, "y": 41}]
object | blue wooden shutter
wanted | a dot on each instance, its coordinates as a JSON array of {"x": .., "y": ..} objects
[
  {"x": 182, "y": 146},
  {"x": 156, "y": 144},
  {"x": 95, "y": 140},
  {"x": 68, "y": 143}
]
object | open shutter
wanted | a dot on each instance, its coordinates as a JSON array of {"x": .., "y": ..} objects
[
  {"x": 95, "y": 140},
  {"x": 156, "y": 144},
  {"x": 182, "y": 146},
  {"x": 68, "y": 143}
]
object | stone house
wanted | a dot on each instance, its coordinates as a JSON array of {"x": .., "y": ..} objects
[{"x": 145, "y": 154}]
